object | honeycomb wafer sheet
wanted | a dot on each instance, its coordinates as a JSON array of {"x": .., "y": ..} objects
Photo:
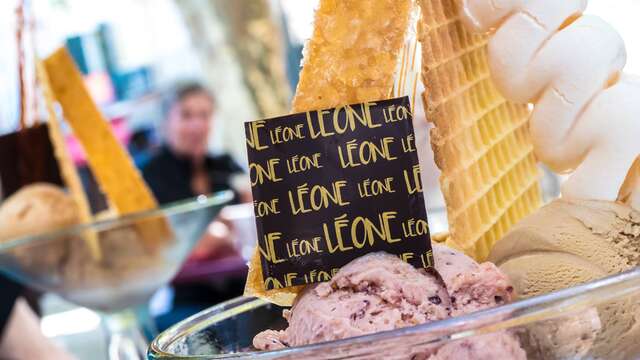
[{"x": 490, "y": 178}]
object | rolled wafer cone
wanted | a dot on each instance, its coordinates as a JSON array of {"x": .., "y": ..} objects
[
  {"x": 481, "y": 142},
  {"x": 351, "y": 58}
]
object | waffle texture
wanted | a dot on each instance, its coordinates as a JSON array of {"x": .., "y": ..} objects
[{"x": 481, "y": 141}]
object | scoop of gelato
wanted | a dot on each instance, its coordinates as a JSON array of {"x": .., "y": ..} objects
[
  {"x": 471, "y": 286},
  {"x": 379, "y": 292},
  {"x": 570, "y": 242},
  {"x": 373, "y": 293},
  {"x": 36, "y": 209}
]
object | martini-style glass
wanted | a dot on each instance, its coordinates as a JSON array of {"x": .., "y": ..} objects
[{"x": 139, "y": 253}]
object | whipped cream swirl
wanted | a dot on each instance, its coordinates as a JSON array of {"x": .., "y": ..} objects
[{"x": 586, "y": 117}]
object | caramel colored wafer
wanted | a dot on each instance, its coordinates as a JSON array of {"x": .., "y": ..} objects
[
  {"x": 490, "y": 178},
  {"x": 110, "y": 163},
  {"x": 68, "y": 170},
  {"x": 351, "y": 58},
  {"x": 352, "y": 55},
  {"x": 255, "y": 285}
]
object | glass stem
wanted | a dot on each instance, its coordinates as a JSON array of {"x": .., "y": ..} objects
[
  {"x": 126, "y": 334},
  {"x": 146, "y": 322}
]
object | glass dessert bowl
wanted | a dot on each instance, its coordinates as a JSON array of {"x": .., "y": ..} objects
[
  {"x": 592, "y": 321},
  {"x": 137, "y": 254}
]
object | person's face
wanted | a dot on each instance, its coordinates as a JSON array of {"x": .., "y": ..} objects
[{"x": 189, "y": 123}]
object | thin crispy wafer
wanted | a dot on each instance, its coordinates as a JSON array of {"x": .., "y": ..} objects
[
  {"x": 68, "y": 170},
  {"x": 352, "y": 54},
  {"x": 255, "y": 285},
  {"x": 112, "y": 166},
  {"x": 481, "y": 142},
  {"x": 351, "y": 58}
]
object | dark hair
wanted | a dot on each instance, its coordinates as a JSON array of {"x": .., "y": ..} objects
[{"x": 181, "y": 91}]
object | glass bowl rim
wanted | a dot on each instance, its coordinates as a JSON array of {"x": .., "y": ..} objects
[
  {"x": 175, "y": 208},
  {"x": 538, "y": 308}
]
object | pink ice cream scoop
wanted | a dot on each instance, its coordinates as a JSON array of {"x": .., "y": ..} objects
[
  {"x": 471, "y": 286},
  {"x": 379, "y": 292}
]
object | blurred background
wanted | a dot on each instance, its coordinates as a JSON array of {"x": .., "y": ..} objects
[{"x": 243, "y": 56}]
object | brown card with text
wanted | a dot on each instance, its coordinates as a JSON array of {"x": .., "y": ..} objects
[{"x": 332, "y": 185}]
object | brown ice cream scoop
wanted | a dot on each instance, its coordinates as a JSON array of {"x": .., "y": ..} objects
[
  {"x": 34, "y": 209},
  {"x": 569, "y": 242}
]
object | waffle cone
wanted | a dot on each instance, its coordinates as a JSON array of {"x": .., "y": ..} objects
[
  {"x": 481, "y": 142},
  {"x": 351, "y": 58}
]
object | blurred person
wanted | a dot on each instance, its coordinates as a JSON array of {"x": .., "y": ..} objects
[
  {"x": 183, "y": 168},
  {"x": 20, "y": 335}
]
